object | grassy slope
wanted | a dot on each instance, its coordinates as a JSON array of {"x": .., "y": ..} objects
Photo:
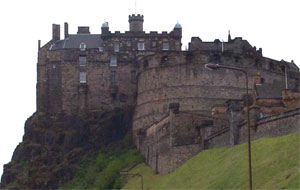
[
  {"x": 101, "y": 171},
  {"x": 275, "y": 163}
]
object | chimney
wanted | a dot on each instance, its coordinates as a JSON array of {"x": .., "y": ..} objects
[
  {"x": 83, "y": 30},
  {"x": 66, "y": 30},
  {"x": 39, "y": 44},
  {"x": 55, "y": 32}
]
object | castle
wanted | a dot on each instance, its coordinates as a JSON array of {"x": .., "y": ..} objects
[{"x": 173, "y": 94}]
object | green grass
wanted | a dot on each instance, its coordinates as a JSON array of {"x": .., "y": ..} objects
[
  {"x": 102, "y": 170},
  {"x": 275, "y": 165}
]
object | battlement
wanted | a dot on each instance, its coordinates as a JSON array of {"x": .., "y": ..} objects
[
  {"x": 237, "y": 46},
  {"x": 136, "y": 23},
  {"x": 137, "y": 17}
]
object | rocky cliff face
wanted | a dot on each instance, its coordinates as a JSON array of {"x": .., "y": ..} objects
[{"x": 53, "y": 146}]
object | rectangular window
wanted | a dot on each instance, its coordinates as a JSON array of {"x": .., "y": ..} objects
[
  {"x": 82, "y": 60},
  {"x": 113, "y": 76},
  {"x": 113, "y": 61},
  {"x": 141, "y": 46},
  {"x": 154, "y": 44},
  {"x": 133, "y": 77},
  {"x": 82, "y": 77},
  {"x": 165, "y": 46},
  {"x": 101, "y": 49},
  {"x": 116, "y": 47}
]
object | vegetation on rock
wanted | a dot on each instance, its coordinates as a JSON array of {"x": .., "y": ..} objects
[
  {"x": 102, "y": 171},
  {"x": 54, "y": 146}
]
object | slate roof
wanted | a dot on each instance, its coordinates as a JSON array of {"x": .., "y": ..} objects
[{"x": 74, "y": 40}]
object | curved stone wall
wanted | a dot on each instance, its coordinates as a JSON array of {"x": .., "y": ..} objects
[{"x": 181, "y": 77}]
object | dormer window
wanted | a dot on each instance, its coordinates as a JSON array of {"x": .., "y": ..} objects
[
  {"x": 113, "y": 61},
  {"x": 82, "y": 46},
  {"x": 165, "y": 46},
  {"x": 82, "y": 61},
  {"x": 141, "y": 46},
  {"x": 116, "y": 47}
]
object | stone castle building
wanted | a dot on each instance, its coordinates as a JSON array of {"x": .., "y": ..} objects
[{"x": 173, "y": 94}]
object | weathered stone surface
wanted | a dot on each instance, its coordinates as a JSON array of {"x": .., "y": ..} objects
[{"x": 53, "y": 146}]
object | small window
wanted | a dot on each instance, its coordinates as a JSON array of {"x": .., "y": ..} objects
[
  {"x": 82, "y": 61},
  {"x": 133, "y": 77},
  {"x": 113, "y": 61},
  {"x": 153, "y": 44},
  {"x": 146, "y": 64},
  {"x": 141, "y": 46},
  {"x": 116, "y": 47},
  {"x": 82, "y": 46},
  {"x": 128, "y": 44},
  {"x": 82, "y": 77},
  {"x": 165, "y": 46},
  {"x": 101, "y": 49},
  {"x": 164, "y": 59},
  {"x": 113, "y": 76}
]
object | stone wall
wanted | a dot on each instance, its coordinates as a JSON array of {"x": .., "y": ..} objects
[
  {"x": 181, "y": 77},
  {"x": 272, "y": 126},
  {"x": 59, "y": 88}
]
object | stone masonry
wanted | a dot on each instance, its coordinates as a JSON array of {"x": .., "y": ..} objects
[{"x": 173, "y": 94}]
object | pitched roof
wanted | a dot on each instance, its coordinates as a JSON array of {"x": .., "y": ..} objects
[{"x": 74, "y": 41}]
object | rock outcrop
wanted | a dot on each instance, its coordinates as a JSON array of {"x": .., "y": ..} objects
[{"x": 53, "y": 146}]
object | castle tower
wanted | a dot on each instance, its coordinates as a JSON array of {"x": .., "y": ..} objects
[
  {"x": 105, "y": 28},
  {"x": 177, "y": 30},
  {"x": 136, "y": 23}
]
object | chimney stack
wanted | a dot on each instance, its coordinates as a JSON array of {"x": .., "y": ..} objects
[
  {"x": 83, "y": 30},
  {"x": 55, "y": 32},
  {"x": 66, "y": 30}
]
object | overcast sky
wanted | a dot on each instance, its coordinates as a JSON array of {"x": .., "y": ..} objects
[{"x": 271, "y": 25}]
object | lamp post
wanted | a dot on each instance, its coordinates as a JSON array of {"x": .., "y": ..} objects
[
  {"x": 134, "y": 174},
  {"x": 217, "y": 66}
]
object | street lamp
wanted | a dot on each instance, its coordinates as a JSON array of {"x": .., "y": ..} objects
[
  {"x": 217, "y": 66},
  {"x": 134, "y": 174}
]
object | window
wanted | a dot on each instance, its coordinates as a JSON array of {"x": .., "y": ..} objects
[
  {"x": 113, "y": 61},
  {"x": 141, "y": 46},
  {"x": 133, "y": 77},
  {"x": 82, "y": 77},
  {"x": 165, "y": 46},
  {"x": 146, "y": 64},
  {"x": 82, "y": 46},
  {"x": 164, "y": 59},
  {"x": 153, "y": 44},
  {"x": 101, "y": 49},
  {"x": 113, "y": 76},
  {"x": 116, "y": 47},
  {"x": 82, "y": 61}
]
